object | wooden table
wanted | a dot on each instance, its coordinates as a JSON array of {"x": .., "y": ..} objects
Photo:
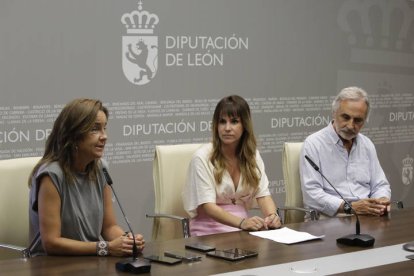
[{"x": 396, "y": 228}]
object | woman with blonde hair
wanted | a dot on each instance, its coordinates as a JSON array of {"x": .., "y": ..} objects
[{"x": 227, "y": 177}]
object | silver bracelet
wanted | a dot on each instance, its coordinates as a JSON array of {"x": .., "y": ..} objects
[
  {"x": 102, "y": 248},
  {"x": 240, "y": 224}
]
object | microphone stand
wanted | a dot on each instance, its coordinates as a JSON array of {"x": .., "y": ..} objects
[
  {"x": 135, "y": 265},
  {"x": 357, "y": 239}
]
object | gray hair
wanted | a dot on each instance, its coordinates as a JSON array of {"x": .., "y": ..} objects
[{"x": 352, "y": 93}]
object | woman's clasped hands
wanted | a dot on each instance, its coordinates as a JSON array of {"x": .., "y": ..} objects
[
  {"x": 122, "y": 246},
  {"x": 256, "y": 223}
]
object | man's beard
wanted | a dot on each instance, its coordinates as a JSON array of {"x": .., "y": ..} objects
[{"x": 346, "y": 134}]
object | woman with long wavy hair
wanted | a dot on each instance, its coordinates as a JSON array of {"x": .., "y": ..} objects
[
  {"x": 227, "y": 176},
  {"x": 70, "y": 202}
]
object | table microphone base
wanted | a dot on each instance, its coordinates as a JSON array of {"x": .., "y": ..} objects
[
  {"x": 137, "y": 266},
  {"x": 362, "y": 240},
  {"x": 409, "y": 246}
]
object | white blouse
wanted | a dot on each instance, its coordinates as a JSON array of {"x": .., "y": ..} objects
[{"x": 201, "y": 187}]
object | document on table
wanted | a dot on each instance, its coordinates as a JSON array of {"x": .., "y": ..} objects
[{"x": 286, "y": 235}]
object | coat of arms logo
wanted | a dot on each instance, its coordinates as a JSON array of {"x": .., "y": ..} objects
[
  {"x": 407, "y": 170},
  {"x": 139, "y": 46}
]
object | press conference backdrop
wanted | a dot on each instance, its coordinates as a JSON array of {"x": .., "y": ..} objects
[{"x": 161, "y": 66}]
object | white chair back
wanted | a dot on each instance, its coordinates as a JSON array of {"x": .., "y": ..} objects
[
  {"x": 291, "y": 175},
  {"x": 14, "y": 200},
  {"x": 170, "y": 167}
]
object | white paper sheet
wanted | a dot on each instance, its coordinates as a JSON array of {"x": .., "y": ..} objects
[{"x": 286, "y": 235}]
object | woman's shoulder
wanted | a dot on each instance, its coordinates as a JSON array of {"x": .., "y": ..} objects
[
  {"x": 204, "y": 150},
  {"x": 201, "y": 155},
  {"x": 258, "y": 156},
  {"x": 259, "y": 159},
  {"x": 50, "y": 167}
]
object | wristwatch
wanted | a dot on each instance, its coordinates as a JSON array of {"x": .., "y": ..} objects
[{"x": 347, "y": 208}]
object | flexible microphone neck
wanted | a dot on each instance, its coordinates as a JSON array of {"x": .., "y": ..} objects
[
  {"x": 110, "y": 182},
  {"x": 357, "y": 225}
]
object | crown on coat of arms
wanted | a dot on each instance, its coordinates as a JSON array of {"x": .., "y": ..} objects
[
  {"x": 140, "y": 21},
  {"x": 408, "y": 161}
]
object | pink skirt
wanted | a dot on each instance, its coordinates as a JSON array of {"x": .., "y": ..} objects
[{"x": 204, "y": 225}]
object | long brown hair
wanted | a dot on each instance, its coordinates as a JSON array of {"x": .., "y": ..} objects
[
  {"x": 236, "y": 106},
  {"x": 72, "y": 125}
]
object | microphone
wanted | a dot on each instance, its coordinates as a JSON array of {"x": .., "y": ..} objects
[
  {"x": 357, "y": 239},
  {"x": 136, "y": 265}
]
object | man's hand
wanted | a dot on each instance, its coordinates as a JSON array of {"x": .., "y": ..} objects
[{"x": 372, "y": 206}]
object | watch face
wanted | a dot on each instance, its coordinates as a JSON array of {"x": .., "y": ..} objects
[{"x": 347, "y": 208}]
